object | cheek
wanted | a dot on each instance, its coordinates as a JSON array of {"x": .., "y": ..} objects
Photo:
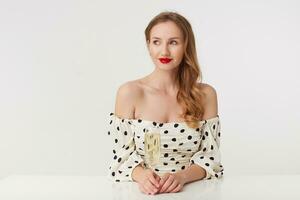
[
  {"x": 153, "y": 51},
  {"x": 179, "y": 55}
]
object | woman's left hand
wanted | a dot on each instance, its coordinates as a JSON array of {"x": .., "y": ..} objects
[{"x": 171, "y": 182}]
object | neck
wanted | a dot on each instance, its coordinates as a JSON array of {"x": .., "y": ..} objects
[{"x": 163, "y": 80}]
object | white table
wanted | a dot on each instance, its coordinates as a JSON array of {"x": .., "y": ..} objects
[{"x": 100, "y": 188}]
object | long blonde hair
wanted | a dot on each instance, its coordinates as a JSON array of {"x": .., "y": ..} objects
[{"x": 189, "y": 76}]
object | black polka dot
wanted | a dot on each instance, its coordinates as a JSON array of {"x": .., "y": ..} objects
[
  {"x": 211, "y": 147},
  {"x": 216, "y": 175},
  {"x": 165, "y": 163},
  {"x": 166, "y": 155},
  {"x": 176, "y": 125},
  {"x": 117, "y": 180},
  {"x": 206, "y": 133},
  {"x": 125, "y": 132},
  {"x": 182, "y": 130},
  {"x": 139, "y": 120},
  {"x": 144, "y": 130},
  {"x": 120, "y": 172},
  {"x": 129, "y": 167},
  {"x": 166, "y": 131},
  {"x": 173, "y": 159},
  {"x": 161, "y": 124},
  {"x": 138, "y": 137},
  {"x": 140, "y": 149},
  {"x": 212, "y": 158},
  {"x": 156, "y": 170},
  {"x": 116, "y": 140},
  {"x": 154, "y": 123},
  {"x": 110, "y": 122},
  {"x": 197, "y": 129},
  {"x": 189, "y": 150},
  {"x": 115, "y": 157},
  {"x": 175, "y": 150},
  {"x": 113, "y": 173},
  {"x": 219, "y": 134},
  {"x": 108, "y": 133},
  {"x": 201, "y": 157},
  {"x": 183, "y": 167},
  {"x": 127, "y": 148},
  {"x": 120, "y": 159},
  {"x": 189, "y": 137},
  {"x": 173, "y": 170},
  {"x": 222, "y": 173},
  {"x": 203, "y": 137},
  {"x": 180, "y": 144},
  {"x": 131, "y": 153},
  {"x": 214, "y": 126},
  {"x": 111, "y": 114},
  {"x": 136, "y": 161},
  {"x": 195, "y": 142},
  {"x": 174, "y": 139},
  {"x": 165, "y": 145},
  {"x": 122, "y": 120},
  {"x": 207, "y": 164},
  {"x": 118, "y": 128},
  {"x": 192, "y": 161},
  {"x": 177, "y": 162},
  {"x": 127, "y": 175},
  {"x": 114, "y": 151},
  {"x": 183, "y": 156},
  {"x": 204, "y": 149}
]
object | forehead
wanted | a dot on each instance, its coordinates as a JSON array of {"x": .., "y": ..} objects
[{"x": 165, "y": 30}]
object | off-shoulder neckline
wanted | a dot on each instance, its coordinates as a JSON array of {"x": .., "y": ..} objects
[{"x": 165, "y": 123}]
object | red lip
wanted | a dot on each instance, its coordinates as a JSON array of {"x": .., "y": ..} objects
[{"x": 165, "y": 60}]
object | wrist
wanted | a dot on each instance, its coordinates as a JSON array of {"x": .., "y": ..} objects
[
  {"x": 183, "y": 176},
  {"x": 136, "y": 173}
]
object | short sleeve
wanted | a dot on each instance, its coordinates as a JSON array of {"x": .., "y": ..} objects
[
  {"x": 208, "y": 155},
  {"x": 125, "y": 157}
]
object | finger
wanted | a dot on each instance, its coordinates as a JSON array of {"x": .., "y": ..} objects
[
  {"x": 167, "y": 184},
  {"x": 163, "y": 181},
  {"x": 178, "y": 188},
  {"x": 150, "y": 187},
  {"x": 142, "y": 189},
  {"x": 154, "y": 181},
  {"x": 172, "y": 186},
  {"x": 157, "y": 177}
]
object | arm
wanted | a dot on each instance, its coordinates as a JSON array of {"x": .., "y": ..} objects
[
  {"x": 195, "y": 172},
  {"x": 192, "y": 173},
  {"x": 125, "y": 158}
]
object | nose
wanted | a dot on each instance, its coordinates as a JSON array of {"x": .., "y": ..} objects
[{"x": 165, "y": 50}]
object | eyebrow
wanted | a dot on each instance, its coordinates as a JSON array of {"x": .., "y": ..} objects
[{"x": 169, "y": 38}]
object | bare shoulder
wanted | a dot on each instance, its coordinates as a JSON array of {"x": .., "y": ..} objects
[
  {"x": 210, "y": 101},
  {"x": 208, "y": 90},
  {"x": 127, "y": 95}
]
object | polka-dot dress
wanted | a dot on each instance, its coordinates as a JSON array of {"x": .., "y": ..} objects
[{"x": 179, "y": 147}]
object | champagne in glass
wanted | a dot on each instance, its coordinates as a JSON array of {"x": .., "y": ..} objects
[{"x": 152, "y": 146}]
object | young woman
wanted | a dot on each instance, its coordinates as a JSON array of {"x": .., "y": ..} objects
[{"x": 165, "y": 128}]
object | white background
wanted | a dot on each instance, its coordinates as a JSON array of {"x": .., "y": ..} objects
[{"x": 61, "y": 62}]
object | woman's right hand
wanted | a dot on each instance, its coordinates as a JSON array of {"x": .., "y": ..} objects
[{"x": 148, "y": 182}]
